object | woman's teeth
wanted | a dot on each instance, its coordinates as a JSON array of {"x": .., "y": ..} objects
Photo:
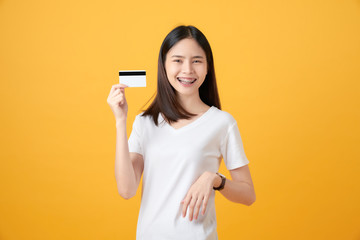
[{"x": 186, "y": 81}]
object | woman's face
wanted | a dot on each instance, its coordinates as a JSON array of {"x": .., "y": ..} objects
[{"x": 186, "y": 66}]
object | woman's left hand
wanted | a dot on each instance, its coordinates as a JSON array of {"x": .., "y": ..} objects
[{"x": 198, "y": 195}]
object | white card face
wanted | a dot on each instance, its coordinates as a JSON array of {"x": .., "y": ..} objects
[{"x": 133, "y": 78}]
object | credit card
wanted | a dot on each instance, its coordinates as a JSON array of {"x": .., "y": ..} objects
[{"x": 133, "y": 78}]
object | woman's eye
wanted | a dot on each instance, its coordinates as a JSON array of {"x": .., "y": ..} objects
[
  {"x": 177, "y": 60},
  {"x": 197, "y": 61}
]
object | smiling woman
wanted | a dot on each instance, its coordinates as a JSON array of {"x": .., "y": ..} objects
[
  {"x": 186, "y": 68},
  {"x": 184, "y": 53},
  {"x": 177, "y": 145}
]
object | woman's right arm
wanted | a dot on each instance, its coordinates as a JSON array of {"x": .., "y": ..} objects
[{"x": 128, "y": 166}]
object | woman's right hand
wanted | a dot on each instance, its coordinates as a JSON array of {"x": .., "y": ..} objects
[{"x": 117, "y": 101}]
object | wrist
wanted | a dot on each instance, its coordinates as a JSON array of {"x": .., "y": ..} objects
[
  {"x": 216, "y": 180},
  {"x": 120, "y": 122},
  {"x": 220, "y": 186}
]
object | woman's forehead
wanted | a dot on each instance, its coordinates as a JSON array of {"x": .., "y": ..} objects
[{"x": 187, "y": 47}]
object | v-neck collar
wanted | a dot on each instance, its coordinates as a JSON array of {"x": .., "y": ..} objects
[{"x": 189, "y": 125}]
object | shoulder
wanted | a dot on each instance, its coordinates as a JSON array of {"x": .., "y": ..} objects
[
  {"x": 140, "y": 116},
  {"x": 223, "y": 117},
  {"x": 141, "y": 119}
]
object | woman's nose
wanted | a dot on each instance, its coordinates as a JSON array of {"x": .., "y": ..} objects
[{"x": 187, "y": 67}]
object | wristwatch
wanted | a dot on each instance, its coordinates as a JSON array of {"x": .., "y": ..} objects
[{"x": 223, "y": 180}]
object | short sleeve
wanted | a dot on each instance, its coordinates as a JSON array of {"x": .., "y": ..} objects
[
  {"x": 134, "y": 141},
  {"x": 232, "y": 149}
]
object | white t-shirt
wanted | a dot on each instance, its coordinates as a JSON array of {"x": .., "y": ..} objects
[{"x": 173, "y": 160}]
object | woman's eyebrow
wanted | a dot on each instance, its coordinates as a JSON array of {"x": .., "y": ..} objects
[{"x": 179, "y": 56}]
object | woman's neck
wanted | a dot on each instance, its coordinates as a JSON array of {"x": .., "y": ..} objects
[{"x": 193, "y": 104}]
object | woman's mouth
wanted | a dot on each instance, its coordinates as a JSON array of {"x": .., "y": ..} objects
[{"x": 186, "y": 81}]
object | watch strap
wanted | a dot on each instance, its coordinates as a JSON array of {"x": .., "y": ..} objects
[{"x": 222, "y": 185}]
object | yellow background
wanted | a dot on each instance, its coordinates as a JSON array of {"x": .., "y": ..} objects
[{"x": 288, "y": 71}]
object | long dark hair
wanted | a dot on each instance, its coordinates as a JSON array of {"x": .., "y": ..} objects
[{"x": 166, "y": 101}]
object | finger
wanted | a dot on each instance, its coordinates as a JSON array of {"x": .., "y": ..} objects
[
  {"x": 118, "y": 99},
  {"x": 117, "y": 86},
  {"x": 185, "y": 205},
  {"x": 120, "y": 85},
  {"x": 122, "y": 90},
  {"x": 191, "y": 208},
  {"x": 116, "y": 92},
  {"x": 205, "y": 201},
  {"x": 197, "y": 208}
]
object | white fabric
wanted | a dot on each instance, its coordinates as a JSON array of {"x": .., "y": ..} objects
[{"x": 173, "y": 160}]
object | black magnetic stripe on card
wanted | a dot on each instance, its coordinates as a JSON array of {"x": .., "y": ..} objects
[{"x": 139, "y": 73}]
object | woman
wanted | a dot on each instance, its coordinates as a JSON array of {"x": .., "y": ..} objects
[{"x": 177, "y": 144}]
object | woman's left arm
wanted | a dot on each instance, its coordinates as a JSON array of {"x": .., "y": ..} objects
[{"x": 240, "y": 188}]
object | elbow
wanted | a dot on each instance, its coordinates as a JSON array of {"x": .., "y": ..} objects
[
  {"x": 126, "y": 194},
  {"x": 247, "y": 201},
  {"x": 124, "y": 190},
  {"x": 251, "y": 200},
  {"x": 126, "y": 197}
]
